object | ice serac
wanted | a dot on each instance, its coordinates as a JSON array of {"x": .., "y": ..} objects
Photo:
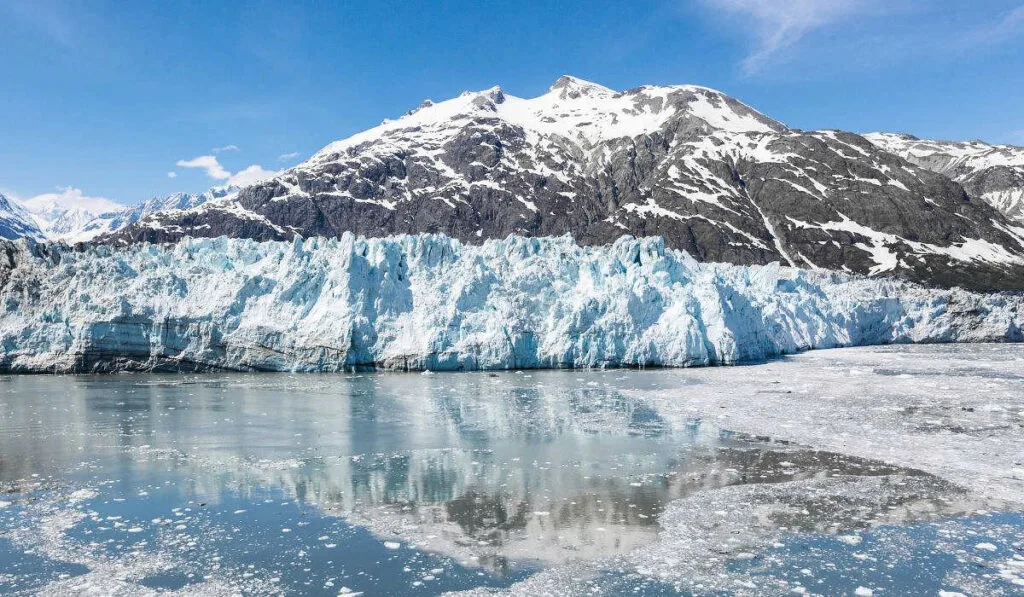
[
  {"x": 432, "y": 302},
  {"x": 706, "y": 172}
]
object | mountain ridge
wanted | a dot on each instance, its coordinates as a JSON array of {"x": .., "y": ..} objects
[
  {"x": 994, "y": 173},
  {"x": 710, "y": 174}
]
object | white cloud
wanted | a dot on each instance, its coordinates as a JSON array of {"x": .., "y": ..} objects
[
  {"x": 779, "y": 24},
  {"x": 67, "y": 199},
  {"x": 284, "y": 157},
  {"x": 225, "y": 148},
  {"x": 209, "y": 164},
  {"x": 172, "y": 174},
  {"x": 250, "y": 175},
  {"x": 216, "y": 171}
]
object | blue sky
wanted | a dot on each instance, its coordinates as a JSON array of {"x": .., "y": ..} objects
[{"x": 107, "y": 98}]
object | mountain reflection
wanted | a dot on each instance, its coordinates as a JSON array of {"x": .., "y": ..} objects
[{"x": 543, "y": 466}]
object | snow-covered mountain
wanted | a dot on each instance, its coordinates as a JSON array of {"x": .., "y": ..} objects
[
  {"x": 16, "y": 222},
  {"x": 706, "y": 172},
  {"x": 61, "y": 215},
  {"x": 428, "y": 301},
  {"x": 112, "y": 221},
  {"x": 993, "y": 173}
]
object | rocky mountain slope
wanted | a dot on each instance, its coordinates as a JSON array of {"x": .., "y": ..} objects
[
  {"x": 993, "y": 173},
  {"x": 431, "y": 302},
  {"x": 706, "y": 172}
]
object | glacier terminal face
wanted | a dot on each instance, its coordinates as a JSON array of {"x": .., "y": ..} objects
[{"x": 431, "y": 302}]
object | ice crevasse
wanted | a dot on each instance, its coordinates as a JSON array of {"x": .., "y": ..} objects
[{"x": 431, "y": 302}]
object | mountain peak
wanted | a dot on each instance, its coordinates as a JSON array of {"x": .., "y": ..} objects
[{"x": 568, "y": 86}]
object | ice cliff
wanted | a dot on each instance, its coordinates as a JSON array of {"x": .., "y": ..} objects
[{"x": 431, "y": 302}]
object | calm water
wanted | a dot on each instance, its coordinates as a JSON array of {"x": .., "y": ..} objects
[{"x": 382, "y": 483}]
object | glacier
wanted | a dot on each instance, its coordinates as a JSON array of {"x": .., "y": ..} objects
[{"x": 429, "y": 302}]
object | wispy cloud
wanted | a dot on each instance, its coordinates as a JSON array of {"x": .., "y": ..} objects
[
  {"x": 871, "y": 32},
  {"x": 225, "y": 148},
  {"x": 291, "y": 155},
  {"x": 780, "y": 24},
  {"x": 44, "y": 17},
  {"x": 209, "y": 164},
  {"x": 172, "y": 174},
  {"x": 1001, "y": 30}
]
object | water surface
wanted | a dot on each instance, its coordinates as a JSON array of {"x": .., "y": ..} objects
[{"x": 413, "y": 484}]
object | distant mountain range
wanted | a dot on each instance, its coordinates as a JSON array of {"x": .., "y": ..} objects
[
  {"x": 62, "y": 220},
  {"x": 710, "y": 174},
  {"x": 110, "y": 222},
  {"x": 62, "y": 215}
]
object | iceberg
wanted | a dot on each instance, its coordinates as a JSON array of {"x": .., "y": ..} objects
[{"x": 429, "y": 302}]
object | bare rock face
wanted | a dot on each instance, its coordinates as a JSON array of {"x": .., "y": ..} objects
[{"x": 706, "y": 172}]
